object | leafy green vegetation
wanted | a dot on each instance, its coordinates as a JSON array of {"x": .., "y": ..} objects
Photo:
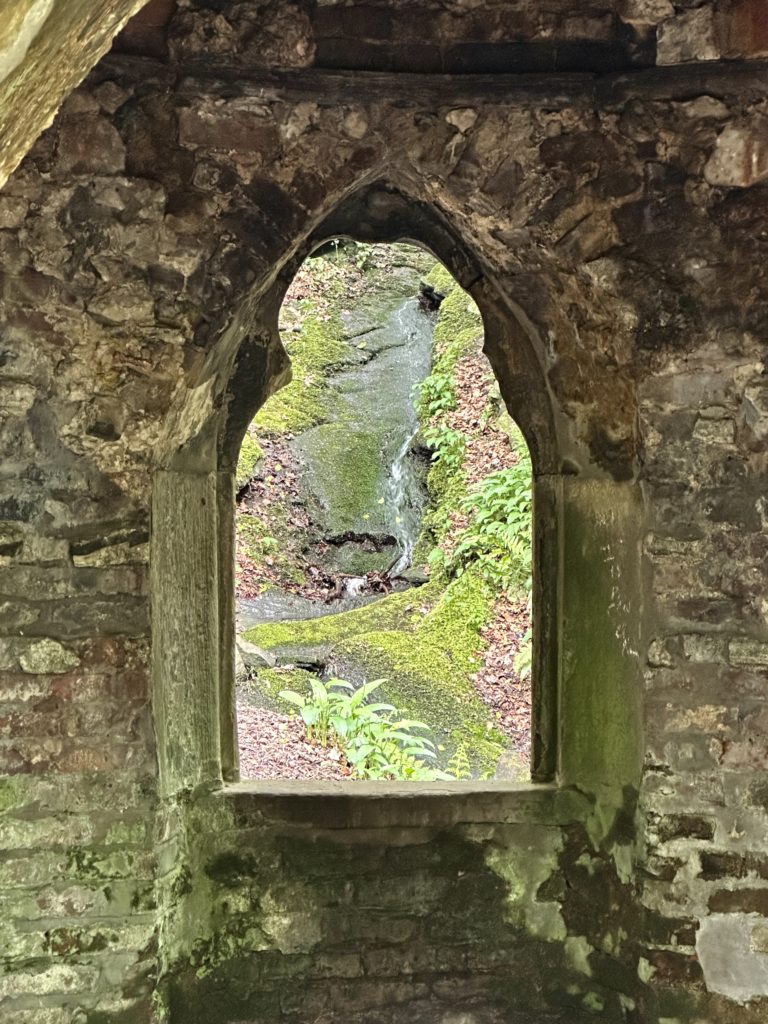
[
  {"x": 375, "y": 739},
  {"x": 497, "y": 539}
]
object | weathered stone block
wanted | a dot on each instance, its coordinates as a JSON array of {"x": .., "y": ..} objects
[
  {"x": 245, "y": 132},
  {"x": 685, "y": 826},
  {"x": 743, "y": 651},
  {"x": 688, "y": 37},
  {"x": 90, "y": 145},
  {"x": 703, "y": 647},
  {"x": 744, "y": 901},
  {"x": 13, "y": 210},
  {"x": 740, "y": 157},
  {"x": 48, "y": 656}
]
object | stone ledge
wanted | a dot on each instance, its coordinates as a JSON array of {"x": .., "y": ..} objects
[{"x": 344, "y": 805}]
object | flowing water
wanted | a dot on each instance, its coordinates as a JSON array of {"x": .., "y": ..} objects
[
  {"x": 375, "y": 415},
  {"x": 359, "y": 476},
  {"x": 405, "y": 491}
]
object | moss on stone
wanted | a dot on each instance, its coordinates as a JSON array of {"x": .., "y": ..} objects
[
  {"x": 396, "y": 611},
  {"x": 250, "y": 454},
  {"x": 346, "y": 478},
  {"x": 458, "y": 325},
  {"x": 9, "y": 793},
  {"x": 314, "y": 352},
  {"x": 441, "y": 279}
]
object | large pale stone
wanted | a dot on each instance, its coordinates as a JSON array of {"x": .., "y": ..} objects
[
  {"x": 48, "y": 656},
  {"x": 740, "y": 158},
  {"x": 689, "y": 37}
]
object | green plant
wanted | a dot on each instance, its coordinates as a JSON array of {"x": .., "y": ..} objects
[
  {"x": 448, "y": 447},
  {"x": 498, "y": 537},
  {"x": 436, "y": 394},
  {"x": 458, "y": 765},
  {"x": 376, "y": 742}
]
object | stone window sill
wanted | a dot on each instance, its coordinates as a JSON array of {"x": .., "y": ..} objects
[{"x": 354, "y": 805}]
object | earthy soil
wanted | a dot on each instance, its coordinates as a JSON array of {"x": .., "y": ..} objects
[
  {"x": 489, "y": 450},
  {"x": 273, "y": 746}
]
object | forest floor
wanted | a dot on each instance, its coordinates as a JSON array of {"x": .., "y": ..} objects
[{"x": 273, "y": 745}]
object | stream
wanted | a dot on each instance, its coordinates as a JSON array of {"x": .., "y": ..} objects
[{"x": 358, "y": 476}]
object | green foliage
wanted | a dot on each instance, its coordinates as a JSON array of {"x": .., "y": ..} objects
[
  {"x": 377, "y": 742},
  {"x": 437, "y": 394},
  {"x": 497, "y": 539},
  {"x": 458, "y": 766},
  {"x": 448, "y": 447}
]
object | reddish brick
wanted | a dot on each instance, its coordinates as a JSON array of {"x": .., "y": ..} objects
[{"x": 742, "y": 29}]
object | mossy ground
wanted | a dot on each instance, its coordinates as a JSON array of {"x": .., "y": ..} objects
[
  {"x": 318, "y": 348},
  {"x": 250, "y": 454},
  {"x": 263, "y": 690},
  {"x": 425, "y": 644}
]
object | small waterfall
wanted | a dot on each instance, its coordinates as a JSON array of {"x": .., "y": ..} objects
[
  {"x": 406, "y": 521},
  {"x": 405, "y": 492}
]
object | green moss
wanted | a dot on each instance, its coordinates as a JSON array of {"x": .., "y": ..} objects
[
  {"x": 458, "y": 324},
  {"x": 441, "y": 279},
  {"x": 393, "y": 612},
  {"x": 346, "y": 477},
  {"x": 270, "y": 681},
  {"x": 250, "y": 454},
  {"x": 314, "y": 352},
  {"x": 9, "y": 794}
]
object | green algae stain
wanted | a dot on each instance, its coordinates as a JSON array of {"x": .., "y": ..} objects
[{"x": 10, "y": 792}]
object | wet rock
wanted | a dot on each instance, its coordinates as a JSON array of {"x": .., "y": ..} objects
[
  {"x": 415, "y": 576},
  {"x": 254, "y": 657}
]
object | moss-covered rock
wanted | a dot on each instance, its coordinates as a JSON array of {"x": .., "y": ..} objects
[{"x": 344, "y": 478}]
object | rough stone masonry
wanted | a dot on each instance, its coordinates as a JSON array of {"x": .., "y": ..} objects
[{"x": 596, "y": 175}]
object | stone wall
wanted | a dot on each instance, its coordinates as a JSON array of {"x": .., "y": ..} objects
[{"x": 613, "y": 230}]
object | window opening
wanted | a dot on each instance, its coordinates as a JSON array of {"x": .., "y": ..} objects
[{"x": 383, "y": 537}]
